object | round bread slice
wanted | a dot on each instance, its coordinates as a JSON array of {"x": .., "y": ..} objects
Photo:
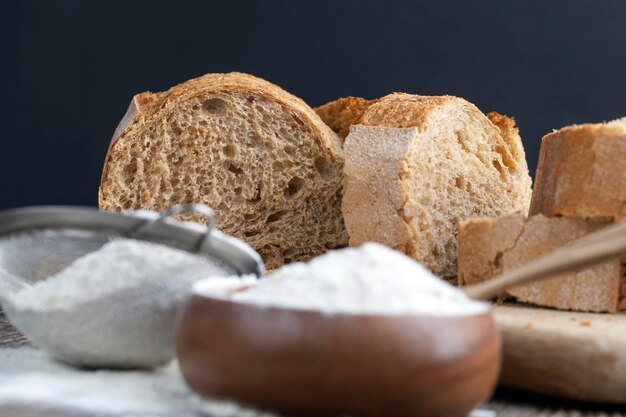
[
  {"x": 417, "y": 165},
  {"x": 260, "y": 157}
]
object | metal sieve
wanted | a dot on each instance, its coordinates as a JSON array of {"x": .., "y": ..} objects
[{"x": 39, "y": 242}]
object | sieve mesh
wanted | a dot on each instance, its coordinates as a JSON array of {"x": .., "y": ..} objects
[{"x": 28, "y": 257}]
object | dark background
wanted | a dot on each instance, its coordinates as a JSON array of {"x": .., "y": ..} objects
[{"x": 70, "y": 67}]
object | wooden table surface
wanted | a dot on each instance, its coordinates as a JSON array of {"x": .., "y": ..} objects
[{"x": 506, "y": 403}]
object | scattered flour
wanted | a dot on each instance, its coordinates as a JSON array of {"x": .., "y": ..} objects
[
  {"x": 29, "y": 380},
  {"x": 116, "y": 307},
  {"x": 32, "y": 384},
  {"x": 369, "y": 279}
]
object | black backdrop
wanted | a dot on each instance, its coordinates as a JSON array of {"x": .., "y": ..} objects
[{"x": 70, "y": 67}]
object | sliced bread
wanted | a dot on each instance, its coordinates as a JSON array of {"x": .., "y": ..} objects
[
  {"x": 417, "y": 165},
  {"x": 582, "y": 171},
  {"x": 259, "y": 156},
  {"x": 491, "y": 246}
]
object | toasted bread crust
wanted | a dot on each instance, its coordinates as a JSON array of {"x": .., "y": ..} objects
[
  {"x": 504, "y": 123},
  {"x": 344, "y": 112},
  {"x": 406, "y": 110}
]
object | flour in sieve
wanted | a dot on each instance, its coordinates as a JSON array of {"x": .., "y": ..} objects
[
  {"x": 115, "y": 307},
  {"x": 369, "y": 279}
]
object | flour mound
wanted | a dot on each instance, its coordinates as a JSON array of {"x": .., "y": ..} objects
[{"x": 370, "y": 279}]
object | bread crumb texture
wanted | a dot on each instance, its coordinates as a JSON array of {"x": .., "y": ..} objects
[
  {"x": 416, "y": 166},
  {"x": 491, "y": 246},
  {"x": 260, "y": 157},
  {"x": 582, "y": 171}
]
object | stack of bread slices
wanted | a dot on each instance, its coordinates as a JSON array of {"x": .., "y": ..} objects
[
  {"x": 580, "y": 186},
  {"x": 294, "y": 182}
]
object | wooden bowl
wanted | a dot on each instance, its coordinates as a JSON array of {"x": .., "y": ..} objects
[{"x": 310, "y": 363}]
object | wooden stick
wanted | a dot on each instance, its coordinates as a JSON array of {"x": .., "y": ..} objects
[
  {"x": 602, "y": 234},
  {"x": 606, "y": 244}
]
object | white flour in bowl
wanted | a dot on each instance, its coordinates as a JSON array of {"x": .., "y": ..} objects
[
  {"x": 370, "y": 279},
  {"x": 116, "y": 307}
]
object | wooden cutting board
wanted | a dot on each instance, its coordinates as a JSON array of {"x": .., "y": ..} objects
[{"x": 579, "y": 356}]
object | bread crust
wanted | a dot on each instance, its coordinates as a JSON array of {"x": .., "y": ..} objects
[
  {"x": 406, "y": 110},
  {"x": 582, "y": 171},
  {"x": 343, "y": 113},
  {"x": 491, "y": 246}
]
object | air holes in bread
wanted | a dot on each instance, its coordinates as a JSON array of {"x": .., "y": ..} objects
[
  {"x": 176, "y": 130},
  {"x": 289, "y": 254},
  {"x": 461, "y": 138},
  {"x": 130, "y": 169},
  {"x": 298, "y": 121},
  {"x": 274, "y": 217},
  {"x": 175, "y": 160},
  {"x": 498, "y": 166},
  {"x": 289, "y": 150},
  {"x": 257, "y": 195},
  {"x": 214, "y": 105},
  {"x": 251, "y": 233},
  {"x": 322, "y": 167},
  {"x": 229, "y": 151},
  {"x": 234, "y": 169},
  {"x": 294, "y": 186},
  {"x": 254, "y": 140}
]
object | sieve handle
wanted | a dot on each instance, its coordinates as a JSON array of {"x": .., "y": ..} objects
[{"x": 207, "y": 212}]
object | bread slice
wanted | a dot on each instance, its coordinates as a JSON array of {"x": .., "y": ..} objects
[
  {"x": 582, "y": 171},
  {"x": 344, "y": 112},
  {"x": 417, "y": 165},
  {"x": 259, "y": 156},
  {"x": 491, "y": 246}
]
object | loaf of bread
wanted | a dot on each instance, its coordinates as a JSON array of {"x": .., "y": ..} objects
[
  {"x": 491, "y": 246},
  {"x": 417, "y": 165},
  {"x": 582, "y": 171},
  {"x": 259, "y": 156}
]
